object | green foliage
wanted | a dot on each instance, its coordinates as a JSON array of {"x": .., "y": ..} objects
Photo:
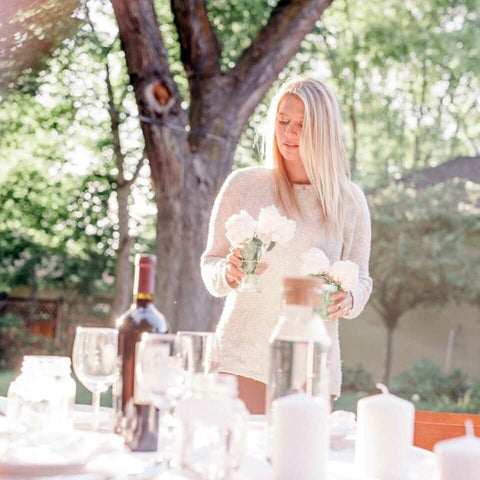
[
  {"x": 431, "y": 389},
  {"x": 54, "y": 232},
  {"x": 424, "y": 247},
  {"x": 348, "y": 401},
  {"x": 10, "y": 320},
  {"x": 16, "y": 341},
  {"x": 58, "y": 178},
  {"x": 406, "y": 77},
  {"x": 357, "y": 379},
  {"x": 406, "y": 74},
  {"x": 237, "y": 25}
]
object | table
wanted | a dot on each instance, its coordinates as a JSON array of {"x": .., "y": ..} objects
[{"x": 125, "y": 465}]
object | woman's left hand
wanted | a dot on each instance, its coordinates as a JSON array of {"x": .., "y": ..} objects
[{"x": 343, "y": 304}]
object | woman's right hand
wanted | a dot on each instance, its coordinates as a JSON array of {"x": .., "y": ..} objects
[{"x": 233, "y": 273}]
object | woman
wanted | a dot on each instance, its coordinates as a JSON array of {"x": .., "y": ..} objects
[{"x": 307, "y": 178}]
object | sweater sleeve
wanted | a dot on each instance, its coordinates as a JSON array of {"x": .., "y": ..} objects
[
  {"x": 212, "y": 262},
  {"x": 360, "y": 254}
]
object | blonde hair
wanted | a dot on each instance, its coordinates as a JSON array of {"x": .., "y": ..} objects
[{"x": 321, "y": 149}]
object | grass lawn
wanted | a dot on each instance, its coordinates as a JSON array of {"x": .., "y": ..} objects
[{"x": 83, "y": 395}]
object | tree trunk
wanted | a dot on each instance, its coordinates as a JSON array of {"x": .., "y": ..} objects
[
  {"x": 123, "y": 270},
  {"x": 388, "y": 355}
]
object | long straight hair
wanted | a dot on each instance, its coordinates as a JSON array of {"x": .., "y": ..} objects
[{"x": 321, "y": 149}]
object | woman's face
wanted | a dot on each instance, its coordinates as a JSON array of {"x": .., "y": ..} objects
[{"x": 288, "y": 128}]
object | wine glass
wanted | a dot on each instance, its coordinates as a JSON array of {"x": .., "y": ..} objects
[
  {"x": 204, "y": 350},
  {"x": 162, "y": 371},
  {"x": 95, "y": 362}
]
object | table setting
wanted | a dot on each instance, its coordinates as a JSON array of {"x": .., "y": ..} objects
[
  {"x": 176, "y": 417},
  {"x": 109, "y": 458}
]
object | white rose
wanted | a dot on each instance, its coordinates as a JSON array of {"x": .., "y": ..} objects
[
  {"x": 314, "y": 262},
  {"x": 240, "y": 228},
  {"x": 345, "y": 273},
  {"x": 274, "y": 227}
]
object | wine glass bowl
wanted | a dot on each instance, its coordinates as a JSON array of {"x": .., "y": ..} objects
[
  {"x": 204, "y": 357},
  {"x": 95, "y": 361},
  {"x": 162, "y": 366},
  {"x": 162, "y": 375}
]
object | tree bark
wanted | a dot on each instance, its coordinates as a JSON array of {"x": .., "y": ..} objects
[
  {"x": 190, "y": 157},
  {"x": 391, "y": 322},
  {"x": 388, "y": 356},
  {"x": 123, "y": 268}
]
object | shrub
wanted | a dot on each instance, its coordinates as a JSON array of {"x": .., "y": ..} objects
[
  {"x": 431, "y": 389},
  {"x": 357, "y": 379},
  {"x": 16, "y": 341}
]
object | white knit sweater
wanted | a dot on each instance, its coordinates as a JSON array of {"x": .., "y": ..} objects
[{"x": 249, "y": 318}]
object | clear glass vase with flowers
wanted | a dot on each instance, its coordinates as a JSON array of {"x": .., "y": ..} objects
[
  {"x": 256, "y": 237},
  {"x": 340, "y": 276}
]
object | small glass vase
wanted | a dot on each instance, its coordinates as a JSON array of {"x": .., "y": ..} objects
[
  {"x": 250, "y": 282},
  {"x": 252, "y": 254},
  {"x": 328, "y": 290}
]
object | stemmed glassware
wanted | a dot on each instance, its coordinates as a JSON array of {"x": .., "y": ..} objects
[
  {"x": 95, "y": 362},
  {"x": 204, "y": 351},
  {"x": 162, "y": 370}
]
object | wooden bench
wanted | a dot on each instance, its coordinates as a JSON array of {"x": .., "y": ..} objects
[{"x": 431, "y": 427}]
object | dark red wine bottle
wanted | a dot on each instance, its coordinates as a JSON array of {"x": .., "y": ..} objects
[{"x": 136, "y": 418}]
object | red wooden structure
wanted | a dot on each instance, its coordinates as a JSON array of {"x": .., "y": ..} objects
[{"x": 431, "y": 427}]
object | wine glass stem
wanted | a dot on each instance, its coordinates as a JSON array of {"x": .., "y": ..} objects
[{"x": 96, "y": 410}]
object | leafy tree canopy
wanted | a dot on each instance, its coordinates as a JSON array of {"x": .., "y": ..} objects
[{"x": 54, "y": 231}]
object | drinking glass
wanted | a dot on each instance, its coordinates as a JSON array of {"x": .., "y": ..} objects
[
  {"x": 204, "y": 351},
  {"x": 95, "y": 362},
  {"x": 162, "y": 371}
]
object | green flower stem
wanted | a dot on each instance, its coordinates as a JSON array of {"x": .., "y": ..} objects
[{"x": 251, "y": 255}]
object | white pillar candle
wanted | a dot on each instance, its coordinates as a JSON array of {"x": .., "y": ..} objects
[
  {"x": 300, "y": 438},
  {"x": 384, "y": 436},
  {"x": 459, "y": 458}
]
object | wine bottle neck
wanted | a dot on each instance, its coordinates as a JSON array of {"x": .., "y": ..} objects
[
  {"x": 144, "y": 281},
  {"x": 143, "y": 299}
]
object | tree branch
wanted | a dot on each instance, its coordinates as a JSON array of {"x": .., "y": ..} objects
[
  {"x": 112, "y": 108},
  {"x": 115, "y": 127},
  {"x": 146, "y": 54},
  {"x": 378, "y": 308},
  {"x": 200, "y": 48},
  {"x": 137, "y": 169},
  {"x": 157, "y": 96},
  {"x": 270, "y": 51}
]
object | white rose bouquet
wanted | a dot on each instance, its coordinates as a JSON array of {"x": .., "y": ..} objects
[
  {"x": 342, "y": 275},
  {"x": 254, "y": 238}
]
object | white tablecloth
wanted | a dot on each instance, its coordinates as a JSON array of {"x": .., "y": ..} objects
[{"x": 118, "y": 463}]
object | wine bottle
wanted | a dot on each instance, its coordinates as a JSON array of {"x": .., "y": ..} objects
[{"x": 136, "y": 418}]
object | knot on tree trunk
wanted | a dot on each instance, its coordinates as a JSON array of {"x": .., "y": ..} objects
[{"x": 159, "y": 97}]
